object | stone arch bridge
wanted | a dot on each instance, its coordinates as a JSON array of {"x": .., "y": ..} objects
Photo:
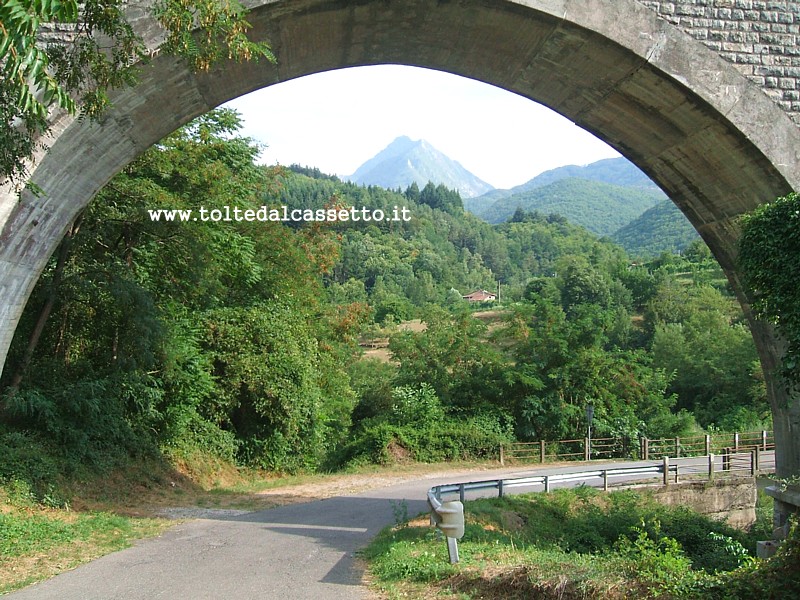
[{"x": 703, "y": 95}]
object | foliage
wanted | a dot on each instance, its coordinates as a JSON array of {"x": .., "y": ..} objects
[
  {"x": 452, "y": 358},
  {"x": 23, "y": 62},
  {"x": 438, "y": 196},
  {"x": 768, "y": 250},
  {"x": 173, "y": 335},
  {"x": 383, "y": 440},
  {"x": 658, "y": 561},
  {"x": 661, "y": 228},
  {"x": 580, "y": 543},
  {"x": 563, "y": 364},
  {"x": 697, "y": 334},
  {"x": 101, "y": 52},
  {"x": 223, "y": 32},
  {"x": 777, "y": 577},
  {"x": 269, "y": 392},
  {"x": 26, "y": 465}
]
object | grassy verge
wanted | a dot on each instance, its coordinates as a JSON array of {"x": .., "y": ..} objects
[
  {"x": 580, "y": 544},
  {"x": 37, "y": 542}
]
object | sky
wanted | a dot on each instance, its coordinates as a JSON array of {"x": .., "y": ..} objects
[{"x": 338, "y": 120}]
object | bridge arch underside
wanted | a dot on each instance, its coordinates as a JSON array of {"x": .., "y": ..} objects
[{"x": 712, "y": 140}]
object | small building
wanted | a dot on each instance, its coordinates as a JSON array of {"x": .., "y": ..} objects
[{"x": 481, "y": 296}]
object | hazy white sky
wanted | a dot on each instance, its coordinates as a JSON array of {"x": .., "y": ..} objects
[{"x": 337, "y": 120}]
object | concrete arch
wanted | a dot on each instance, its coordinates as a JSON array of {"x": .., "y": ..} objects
[{"x": 712, "y": 140}]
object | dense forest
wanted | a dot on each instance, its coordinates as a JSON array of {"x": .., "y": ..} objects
[
  {"x": 245, "y": 340},
  {"x": 660, "y": 228}
]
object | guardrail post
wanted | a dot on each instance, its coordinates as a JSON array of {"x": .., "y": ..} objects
[
  {"x": 586, "y": 449},
  {"x": 605, "y": 480},
  {"x": 461, "y": 492},
  {"x": 708, "y": 445},
  {"x": 452, "y": 550},
  {"x": 502, "y": 456},
  {"x": 541, "y": 451},
  {"x": 665, "y": 463},
  {"x": 500, "y": 488},
  {"x": 547, "y": 483},
  {"x": 710, "y": 467}
]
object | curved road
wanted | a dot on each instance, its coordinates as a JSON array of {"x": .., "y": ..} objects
[{"x": 299, "y": 552}]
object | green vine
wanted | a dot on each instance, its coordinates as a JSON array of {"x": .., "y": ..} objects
[{"x": 769, "y": 256}]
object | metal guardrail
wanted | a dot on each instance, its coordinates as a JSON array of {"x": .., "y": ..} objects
[
  {"x": 547, "y": 481},
  {"x": 667, "y": 470},
  {"x": 710, "y": 466}
]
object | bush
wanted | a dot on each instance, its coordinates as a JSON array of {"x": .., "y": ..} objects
[
  {"x": 777, "y": 577},
  {"x": 381, "y": 442},
  {"x": 27, "y": 469}
]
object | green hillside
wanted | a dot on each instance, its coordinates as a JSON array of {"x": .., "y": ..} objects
[
  {"x": 662, "y": 228},
  {"x": 601, "y": 208},
  {"x": 616, "y": 171},
  {"x": 404, "y": 266}
]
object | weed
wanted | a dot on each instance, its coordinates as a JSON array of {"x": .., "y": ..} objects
[{"x": 400, "y": 511}]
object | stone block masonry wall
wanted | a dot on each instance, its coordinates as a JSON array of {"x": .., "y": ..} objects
[{"x": 759, "y": 37}]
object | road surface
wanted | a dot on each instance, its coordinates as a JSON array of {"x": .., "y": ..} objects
[{"x": 299, "y": 552}]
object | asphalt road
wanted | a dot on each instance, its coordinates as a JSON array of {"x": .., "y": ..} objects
[{"x": 299, "y": 552}]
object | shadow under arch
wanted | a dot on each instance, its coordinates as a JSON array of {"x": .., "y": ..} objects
[{"x": 714, "y": 142}]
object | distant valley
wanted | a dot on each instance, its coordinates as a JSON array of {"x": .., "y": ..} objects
[{"x": 610, "y": 197}]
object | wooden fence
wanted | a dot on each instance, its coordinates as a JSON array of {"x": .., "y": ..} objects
[{"x": 644, "y": 448}]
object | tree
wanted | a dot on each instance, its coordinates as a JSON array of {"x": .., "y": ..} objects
[
  {"x": 412, "y": 192},
  {"x": 438, "y": 196},
  {"x": 715, "y": 371},
  {"x": 187, "y": 335},
  {"x": 453, "y": 356},
  {"x": 103, "y": 52}
]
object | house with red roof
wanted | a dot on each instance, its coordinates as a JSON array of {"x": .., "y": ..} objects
[{"x": 480, "y": 296}]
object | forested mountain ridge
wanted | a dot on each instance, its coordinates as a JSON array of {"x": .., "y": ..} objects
[
  {"x": 662, "y": 228},
  {"x": 602, "y": 208},
  {"x": 615, "y": 171},
  {"x": 406, "y": 161},
  {"x": 609, "y": 197}
]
